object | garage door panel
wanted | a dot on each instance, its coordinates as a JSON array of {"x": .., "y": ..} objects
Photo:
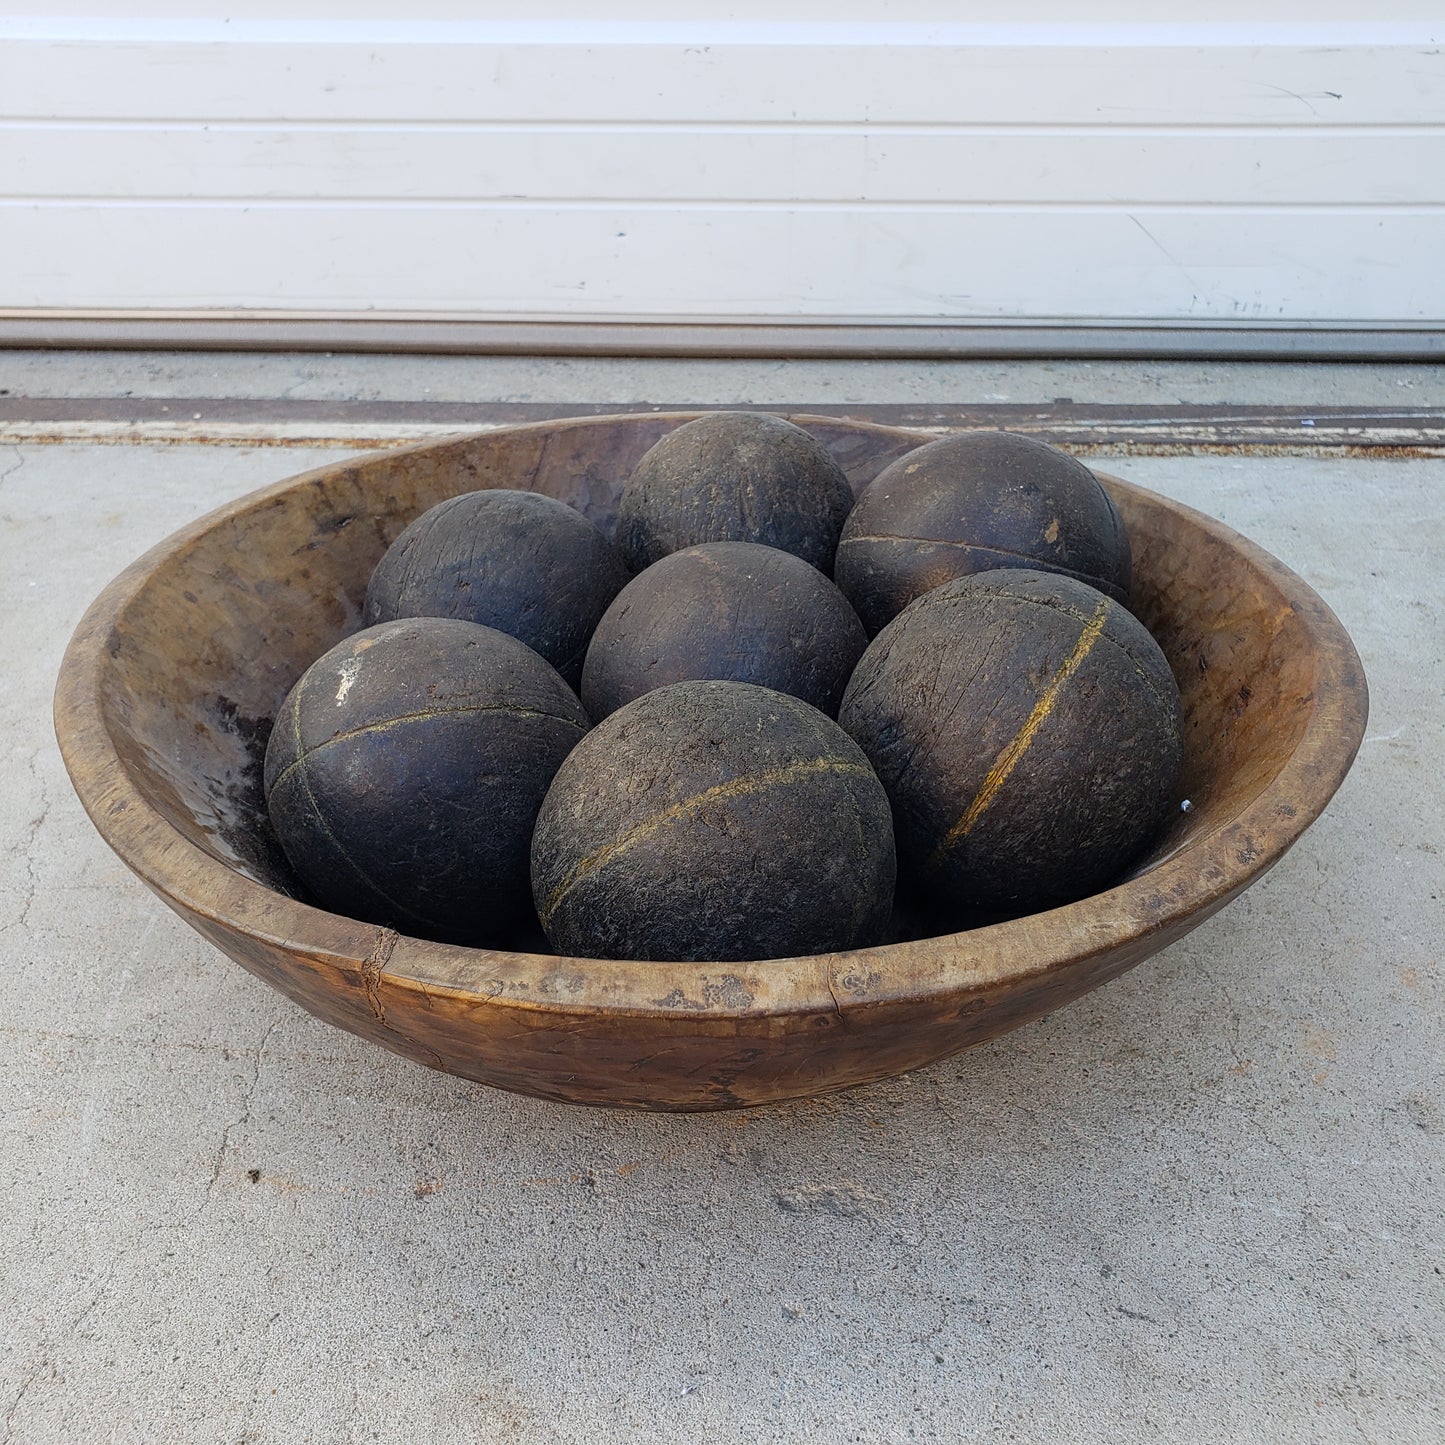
[
  {"x": 588, "y": 260},
  {"x": 1378, "y": 166},
  {"x": 1095, "y": 172},
  {"x": 880, "y": 83}
]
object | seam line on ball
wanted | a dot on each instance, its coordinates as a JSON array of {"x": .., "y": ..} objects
[
  {"x": 1161, "y": 697},
  {"x": 387, "y": 724},
  {"x": 326, "y": 827},
  {"x": 1152, "y": 683},
  {"x": 1018, "y": 745},
  {"x": 1042, "y": 564},
  {"x": 1128, "y": 656},
  {"x": 736, "y": 788}
]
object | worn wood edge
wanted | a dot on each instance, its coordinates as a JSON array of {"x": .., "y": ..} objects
[{"x": 1171, "y": 897}]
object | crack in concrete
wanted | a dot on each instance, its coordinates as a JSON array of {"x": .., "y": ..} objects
[
  {"x": 19, "y": 462},
  {"x": 74, "y": 1326},
  {"x": 25, "y": 1385},
  {"x": 263, "y": 1362},
  {"x": 1241, "y": 1063},
  {"x": 32, "y": 870},
  {"x": 246, "y": 1101}
]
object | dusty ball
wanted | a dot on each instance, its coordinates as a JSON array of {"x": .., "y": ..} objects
[
  {"x": 973, "y": 503},
  {"x": 730, "y": 611},
  {"x": 713, "y": 821},
  {"x": 1027, "y": 729},
  {"x": 523, "y": 563},
  {"x": 404, "y": 773},
  {"x": 735, "y": 477}
]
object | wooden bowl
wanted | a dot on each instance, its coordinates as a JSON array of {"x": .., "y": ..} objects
[{"x": 167, "y": 691}]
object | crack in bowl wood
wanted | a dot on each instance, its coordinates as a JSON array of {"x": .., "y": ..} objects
[{"x": 168, "y": 687}]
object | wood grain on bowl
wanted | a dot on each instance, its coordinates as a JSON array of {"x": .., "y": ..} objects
[{"x": 168, "y": 688}]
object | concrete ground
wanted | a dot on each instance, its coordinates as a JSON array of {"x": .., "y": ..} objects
[{"x": 1202, "y": 1205}]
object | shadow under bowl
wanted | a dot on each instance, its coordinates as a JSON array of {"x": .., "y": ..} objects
[{"x": 168, "y": 688}]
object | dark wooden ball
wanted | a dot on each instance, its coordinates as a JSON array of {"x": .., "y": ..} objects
[
  {"x": 735, "y": 477},
  {"x": 730, "y": 611},
  {"x": 404, "y": 773},
  {"x": 714, "y": 821},
  {"x": 523, "y": 563},
  {"x": 973, "y": 503},
  {"x": 1028, "y": 731}
]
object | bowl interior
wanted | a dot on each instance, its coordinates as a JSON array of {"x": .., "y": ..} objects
[{"x": 219, "y": 622}]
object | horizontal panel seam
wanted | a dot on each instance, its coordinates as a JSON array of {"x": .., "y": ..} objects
[
  {"x": 725, "y": 205},
  {"x": 684, "y": 125}
]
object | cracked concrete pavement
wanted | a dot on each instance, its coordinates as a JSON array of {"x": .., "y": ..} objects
[{"x": 1204, "y": 1204}]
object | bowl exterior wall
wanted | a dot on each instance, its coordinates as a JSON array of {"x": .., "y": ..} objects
[{"x": 169, "y": 685}]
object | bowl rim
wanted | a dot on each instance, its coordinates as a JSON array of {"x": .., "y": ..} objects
[{"x": 1198, "y": 876}]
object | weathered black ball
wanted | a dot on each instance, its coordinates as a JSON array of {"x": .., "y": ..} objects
[
  {"x": 1028, "y": 731},
  {"x": 523, "y": 563},
  {"x": 713, "y": 821},
  {"x": 735, "y": 477},
  {"x": 973, "y": 503},
  {"x": 405, "y": 770},
  {"x": 731, "y": 611}
]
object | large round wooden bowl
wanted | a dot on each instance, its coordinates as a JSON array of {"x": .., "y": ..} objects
[{"x": 169, "y": 685}]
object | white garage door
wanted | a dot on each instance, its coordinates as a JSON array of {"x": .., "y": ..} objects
[{"x": 886, "y": 163}]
